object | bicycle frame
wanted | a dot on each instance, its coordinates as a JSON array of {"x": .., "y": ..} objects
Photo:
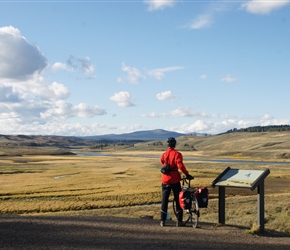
[{"x": 193, "y": 212}]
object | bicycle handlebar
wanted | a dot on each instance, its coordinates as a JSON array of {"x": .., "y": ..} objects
[{"x": 185, "y": 180}]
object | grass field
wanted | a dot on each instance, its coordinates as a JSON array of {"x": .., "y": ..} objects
[{"x": 128, "y": 184}]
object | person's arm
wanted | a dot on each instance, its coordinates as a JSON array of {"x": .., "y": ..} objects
[
  {"x": 182, "y": 167},
  {"x": 162, "y": 161},
  {"x": 179, "y": 163}
]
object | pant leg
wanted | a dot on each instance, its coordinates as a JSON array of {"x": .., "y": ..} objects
[
  {"x": 176, "y": 190},
  {"x": 166, "y": 189}
]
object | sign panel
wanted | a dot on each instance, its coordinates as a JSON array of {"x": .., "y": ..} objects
[{"x": 241, "y": 178}]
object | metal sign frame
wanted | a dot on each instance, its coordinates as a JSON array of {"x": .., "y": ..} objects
[{"x": 240, "y": 178}]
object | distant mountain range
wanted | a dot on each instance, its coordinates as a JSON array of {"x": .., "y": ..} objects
[
  {"x": 147, "y": 135},
  {"x": 74, "y": 141}
]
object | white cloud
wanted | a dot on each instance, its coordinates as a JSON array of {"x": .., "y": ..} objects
[
  {"x": 83, "y": 64},
  {"x": 26, "y": 97},
  {"x": 133, "y": 74},
  {"x": 74, "y": 64},
  {"x": 263, "y": 7},
  {"x": 154, "y": 115},
  {"x": 123, "y": 99},
  {"x": 84, "y": 110},
  {"x": 198, "y": 126},
  {"x": 267, "y": 117},
  {"x": 154, "y": 5},
  {"x": 203, "y": 76},
  {"x": 221, "y": 126},
  {"x": 229, "y": 79},
  {"x": 207, "y": 18},
  {"x": 18, "y": 58},
  {"x": 166, "y": 96},
  {"x": 60, "y": 109},
  {"x": 59, "y": 91},
  {"x": 36, "y": 87},
  {"x": 202, "y": 21},
  {"x": 159, "y": 73},
  {"x": 59, "y": 66},
  {"x": 187, "y": 112},
  {"x": 64, "y": 110}
]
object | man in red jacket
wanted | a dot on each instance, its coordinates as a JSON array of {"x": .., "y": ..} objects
[{"x": 171, "y": 181}]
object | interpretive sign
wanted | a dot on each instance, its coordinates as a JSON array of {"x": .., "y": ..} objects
[{"x": 241, "y": 178}]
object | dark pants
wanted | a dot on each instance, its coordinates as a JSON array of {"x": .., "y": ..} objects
[{"x": 166, "y": 190}]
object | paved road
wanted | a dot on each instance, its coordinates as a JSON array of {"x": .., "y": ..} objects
[{"x": 88, "y": 232}]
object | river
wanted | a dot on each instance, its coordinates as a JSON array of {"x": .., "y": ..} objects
[{"x": 196, "y": 159}]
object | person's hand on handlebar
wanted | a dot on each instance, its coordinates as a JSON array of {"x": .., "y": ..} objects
[{"x": 189, "y": 177}]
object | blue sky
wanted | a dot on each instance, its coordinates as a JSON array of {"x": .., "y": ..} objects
[{"x": 101, "y": 67}]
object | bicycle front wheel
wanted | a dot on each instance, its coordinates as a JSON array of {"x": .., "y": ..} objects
[
  {"x": 193, "y": 218},
  {"x": 193, "y": 214}
]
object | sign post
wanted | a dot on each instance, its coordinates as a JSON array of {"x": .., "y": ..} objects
[{"x": 242, "y": 179}]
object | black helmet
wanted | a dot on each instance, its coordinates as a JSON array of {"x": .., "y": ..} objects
[{"x": 171, "y": 142}]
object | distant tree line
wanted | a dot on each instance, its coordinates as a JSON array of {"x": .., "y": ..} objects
[{"x": 271, "y": 128}]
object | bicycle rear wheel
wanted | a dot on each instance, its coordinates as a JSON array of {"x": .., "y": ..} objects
[{"x": 190, "y": 215}]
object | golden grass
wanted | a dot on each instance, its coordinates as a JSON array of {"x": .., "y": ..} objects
[{"x": 129, "y": 185}]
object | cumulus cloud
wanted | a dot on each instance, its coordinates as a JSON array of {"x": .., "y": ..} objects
[
  {"x": 123, "y": 99},
  {"x": 197, "y": 126},
  {"x": 36, "y": 87},
  {"x": 223, "y": 125},
  {"x": 18, "y": 58},
  {"x": 62, "y": 109},
  {"x": 159, "y": 73},
  {"x": 166, "y": 96},
  {"x": 133, "y": 74},
  {"x": 263, "y": 7},
  {"x": 59, "y": 66},
  {"x": 26, "y": 97},
  {"x": 154, "y": 5},
  {"x": 187, "y": 112}
]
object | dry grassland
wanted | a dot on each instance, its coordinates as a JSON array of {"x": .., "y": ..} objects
[{"x": 128, "y": 183}]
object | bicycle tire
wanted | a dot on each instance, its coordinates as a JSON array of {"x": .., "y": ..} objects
[
  {"x": 191, "y": 215},
  {"x": 194, "y": 213}
]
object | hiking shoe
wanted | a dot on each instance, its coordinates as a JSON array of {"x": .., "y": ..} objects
[
  {"x": 162, "y": 223},
  {"x": 180, "y": 224}
]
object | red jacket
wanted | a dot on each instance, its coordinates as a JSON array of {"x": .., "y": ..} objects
[{"x": 175, "y": 159}]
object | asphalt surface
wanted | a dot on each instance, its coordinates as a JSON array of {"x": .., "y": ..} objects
[{"x": 94, "y": 232}]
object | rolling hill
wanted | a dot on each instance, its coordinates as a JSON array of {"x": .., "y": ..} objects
[{"x": 259, "y": 145}]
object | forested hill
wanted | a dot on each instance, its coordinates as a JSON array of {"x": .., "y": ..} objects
[{"x": 271, "y": 128}]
